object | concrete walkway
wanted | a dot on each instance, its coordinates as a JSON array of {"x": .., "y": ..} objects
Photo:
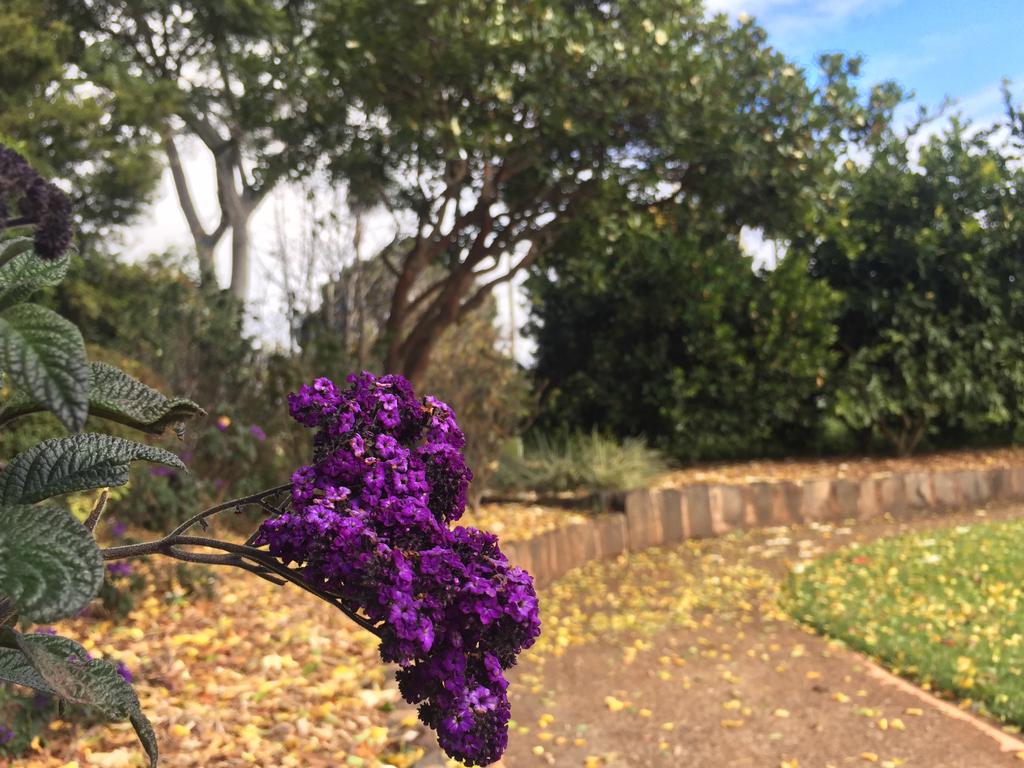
[{"x": 680, "y": 657}]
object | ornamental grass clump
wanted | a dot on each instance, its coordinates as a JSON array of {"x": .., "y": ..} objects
[{"x": 369, "y": 523}]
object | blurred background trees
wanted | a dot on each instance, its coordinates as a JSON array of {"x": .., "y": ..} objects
[
  {"x": 643, "y": 329},
  {"x": 618, "y": 154},
  {"x": 924, "y": 249}
]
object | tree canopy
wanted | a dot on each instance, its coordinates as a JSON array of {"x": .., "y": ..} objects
[
  {"x": 68, "y": 129},
  {"x": 925, "y": 252},
  {"x": 227, "y": 77},
  {"x": 492, "y": 125},
  {"x": 642, "y": 329}
]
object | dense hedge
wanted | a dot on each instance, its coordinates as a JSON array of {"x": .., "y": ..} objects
[
  {"x": 895, "y": 319},
  {"x": 644, "y": 330}
]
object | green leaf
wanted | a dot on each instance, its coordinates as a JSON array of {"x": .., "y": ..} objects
[
  {"x": 66, "y": 667},
  {"x": 13, "y": 247},
  {"x": 44, "y": 355},
  {"x": 16, "y": 668},
  {"x": 49, "y": 563},
  {"x": 8, "y": 612},
  {"x": 144, "y": 730},
  {"x": 26, "y": 273},
  {"x": 116, "y": 396},
  {"x": 77, "y": 463}
]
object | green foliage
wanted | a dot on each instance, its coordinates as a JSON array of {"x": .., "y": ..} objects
[
  {"x": 928, "y": 327},
  {"x": 524, "y": 114},
  {"x": 152, "y": 319},
  {"x": 468, "y": 369},
  {"x": 231, "y": 459},
  {"x": 114, "y": 395},
  {"x": 44, "y": 356},
  {"x": 643, "y": 329},
  {"x": 939, "y": 606},
  {"x": 70, "y": 132},
  {"x": 25, "y": 274},
  {"x": 488, "y": 390},
  {"x": 26, "y": 714},
  {"x": 234, "y": 78},
  {"x": 50, "y": 565},
  {"x": 154, "y": 313},
  {"x": 71, "y": 673},
  {"x": 77, "y": 463},
  {"x": 590, "y": 463},
  {"x": 43, "y": 353}
]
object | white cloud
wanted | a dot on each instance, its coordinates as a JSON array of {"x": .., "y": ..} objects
[{"x": 785, "y": 18}]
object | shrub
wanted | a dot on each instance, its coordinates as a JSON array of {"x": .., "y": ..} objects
[
  {"x": 50, "y": 564},
  {"x": 643, "y": 329},
  {"x": 488, "y": 390},
  {"x": 590, "y": 463},
  {"x": 925, "y": 254}
]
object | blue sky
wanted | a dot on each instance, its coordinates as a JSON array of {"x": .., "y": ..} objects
[{"x": 937, "y": 48}]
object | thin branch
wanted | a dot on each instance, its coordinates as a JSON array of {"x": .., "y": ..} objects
[
  {"x": 231, "y": 504},
  {"x": 245, "y": 556},
  {"x": 260, "y": 562},
  {"x": 97, "y": 511}
]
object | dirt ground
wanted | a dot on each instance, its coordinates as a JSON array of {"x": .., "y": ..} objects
[
  {"x": 743, "y": 687},
  {"x": 852, "y": 468}
]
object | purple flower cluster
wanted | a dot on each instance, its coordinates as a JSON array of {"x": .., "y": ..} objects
[
  {"x": 38, "y": 201},
  {"x": 369, "y": 523}
]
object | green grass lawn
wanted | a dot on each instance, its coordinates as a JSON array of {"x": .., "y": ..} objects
[{"x": 942, "y": 607}]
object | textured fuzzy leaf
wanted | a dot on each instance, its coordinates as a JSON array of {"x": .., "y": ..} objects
[
  {"x": 115, "y": 395},
  {"x": 16, "y": 668},
  {"x": 26, "y": 273},
  {"x": 49, "y": 563},
  {"x": 77, "y": 463},
  {"x": 144, "y": 730},
  {"x": 72, "y": 675},
  {"x": 44, "y": 355},
  {"x": 8, "y": 612}
]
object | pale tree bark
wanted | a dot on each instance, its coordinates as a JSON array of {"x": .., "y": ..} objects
[
  {"x": 237, "y": 199},
  {"x": 205, "y": 242}
]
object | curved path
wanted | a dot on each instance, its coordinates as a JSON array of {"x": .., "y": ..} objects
[{"x": 680, "y": 657}]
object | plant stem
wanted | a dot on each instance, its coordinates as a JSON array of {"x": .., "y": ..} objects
[
  {"x": 245, "y": 556},
  {"x": 255, "y": 498}
]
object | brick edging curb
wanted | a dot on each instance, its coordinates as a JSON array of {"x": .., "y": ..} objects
[{"x": 657, "y": 517}]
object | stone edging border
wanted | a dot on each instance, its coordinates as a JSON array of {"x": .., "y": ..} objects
[{"x": 670, "y": 515}]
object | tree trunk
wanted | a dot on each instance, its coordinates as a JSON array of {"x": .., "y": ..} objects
[
  {"x": 240, "y": 257},
  {"x": 207, "y": 271},
  {"x": 205, "y": 242},
  {"x": 417, "y": 360}
]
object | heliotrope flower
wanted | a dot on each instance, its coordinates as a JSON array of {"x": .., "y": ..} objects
[
  {"x": 36, "y": 201},
  {"x": 369, "y": 523}
]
